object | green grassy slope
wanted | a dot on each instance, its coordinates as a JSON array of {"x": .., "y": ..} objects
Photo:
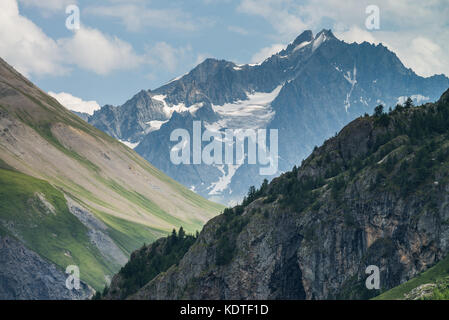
[
  {"x": 43, "y": 128},
  {"x": 439, "y": 273},
  {"x": 127, "y": 235},
  {"x": 57, "y": 236}
]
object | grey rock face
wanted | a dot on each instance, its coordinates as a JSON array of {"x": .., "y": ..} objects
[
  {"x": 97, "y": 234},
  {"x": 321, "y": 250},
  {"x": 325, "y": 84},
  {"x": 156, "y": 149},
  {"x": 267, "y": 270},
  {"x": 25, "y": 275},
  {"x": 129, "y": 121},
  {"x": 82, "y": 115}
]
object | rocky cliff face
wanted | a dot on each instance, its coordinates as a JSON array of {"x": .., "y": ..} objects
[
  {"x": 129, "y": 122},
  {"x": 146, "y": 263},
  {"x": 25, "y": 275},
  {"x": 375, "y": 194}
]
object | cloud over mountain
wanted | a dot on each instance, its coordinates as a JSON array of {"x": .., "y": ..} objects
[{"x": 74, "y": 103}]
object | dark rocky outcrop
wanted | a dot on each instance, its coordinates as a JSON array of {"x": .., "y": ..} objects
[{"x": 25, "y": 275}]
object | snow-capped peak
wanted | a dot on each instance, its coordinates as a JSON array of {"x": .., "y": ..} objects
[
  {"x": 301, "y": 45},
  {"x": 306, "y": 38},
  {"x": 323, "y": 36}
]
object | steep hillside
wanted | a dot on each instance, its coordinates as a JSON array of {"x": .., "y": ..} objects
[
  {"x": 146, "y": 263},
  {"x": 307, "y": 92},
  {"x": 431, "y": 284},
  {"x": 76, "y": 196},
  {"x": 375, "y": 194}
]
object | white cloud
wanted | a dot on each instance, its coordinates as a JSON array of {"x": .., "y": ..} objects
[
  {"x": 266, "y": 52},
  {"x": 426, "y": 57},
  {"x": 74, "y": 103},
  {"x": 164, "y": 55},
  {"x": 281, "y": 14},
  {"x": 238, "y": 30},
  {"x": 415, "y": 30},
  {"x": 49, "y": 5},
  {"x": 25, "y": 46},
  {"x": 216, "y": 1},
  {"x": 201, "y": 57},
  {"x": 423, "y": 55},
  {"x": 356, "y": 34},
  {"x": 137, "y": 16},
  {"x": 92, "y": 50}
]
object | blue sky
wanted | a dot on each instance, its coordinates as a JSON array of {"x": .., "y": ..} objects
[{"x": 125, "y": 46}]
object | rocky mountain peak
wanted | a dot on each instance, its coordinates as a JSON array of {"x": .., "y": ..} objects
[
  {"x": 302, "y": 40},
  {"x": 327, "y": 33},
  {"x": 322, "y": 37},
  {"x": 305, "y": 36},
  {"x": 211, "y": 63},
  {"x": 365, "y": 197},
  {"x": 325, "y": 83},
  {"x": 307, "y": 39}
]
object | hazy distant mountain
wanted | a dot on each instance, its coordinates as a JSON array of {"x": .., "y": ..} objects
[
  {"x": 308, "y": 91},
  {"x": 373, "y": 195}
]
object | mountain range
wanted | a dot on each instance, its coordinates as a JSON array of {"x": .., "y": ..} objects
[
  {"x": 70, "y": 195},
  {"x": 376, "y": 194},
  {"x": 307, "y": 92}
]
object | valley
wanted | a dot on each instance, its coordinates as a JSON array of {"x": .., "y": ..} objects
[{"x": 75, "y": 196}]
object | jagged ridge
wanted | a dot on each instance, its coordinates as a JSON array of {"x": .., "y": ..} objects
[
  {"x": 374, "y": 194},
  {"x": 324, "y": 83}
]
